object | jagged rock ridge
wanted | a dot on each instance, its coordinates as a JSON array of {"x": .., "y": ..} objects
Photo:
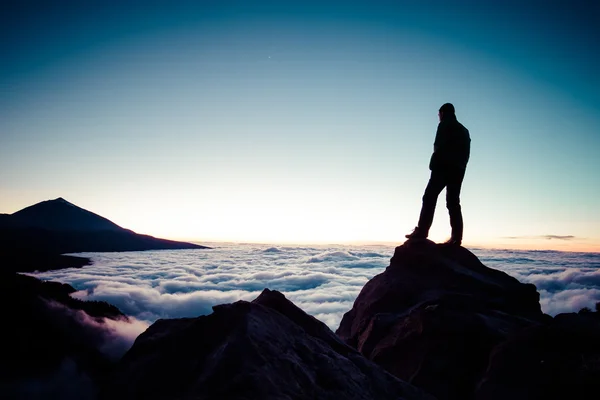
[{"x": 265, "y": 349}]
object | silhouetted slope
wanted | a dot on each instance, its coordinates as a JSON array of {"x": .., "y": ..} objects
[
  {"x": 45, "y": 241},
  {"x": 48, "y": 349},
  {"x": 7, "y": 221},
  {"x": 267, "y": 349},
  {"x": 32, "y": 260},
  {"x": 32, "y": 238},
  {"x": 60, "y": 215}
]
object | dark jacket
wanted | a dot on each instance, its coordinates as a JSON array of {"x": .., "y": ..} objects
[{"x": 452, "y": 146}]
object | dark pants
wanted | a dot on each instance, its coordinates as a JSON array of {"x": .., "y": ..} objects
[{"x": 452, "y": 181}]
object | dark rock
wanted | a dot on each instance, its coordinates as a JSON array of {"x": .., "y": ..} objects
[
  {"x": 51, "y": 343},
  {"x": 434, "y": 315},
  {"x": 32, "y": 261},
  {"x": 26, "y": 289},
  {"x": 266, "y": 349},
  {"x": 557, "y": 360},
  {"x": 277, "y": 301}
]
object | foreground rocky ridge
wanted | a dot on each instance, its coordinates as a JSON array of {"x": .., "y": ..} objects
[{"x": 264, "y": 349}]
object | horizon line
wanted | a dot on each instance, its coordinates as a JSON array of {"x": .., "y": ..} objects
[{"x": 467, "y": 245}]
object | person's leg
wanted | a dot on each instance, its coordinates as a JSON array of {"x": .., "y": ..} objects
[
  {"x": 436, "y": 184},
  {"x": 455, "y": 179}
]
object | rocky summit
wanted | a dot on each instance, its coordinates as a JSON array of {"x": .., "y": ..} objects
[
  {"x": 441, "y": 320},
  {"x": 265, "y": 349}
]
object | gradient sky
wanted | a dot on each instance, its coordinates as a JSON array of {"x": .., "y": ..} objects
[{"x": 304, "y": 121}]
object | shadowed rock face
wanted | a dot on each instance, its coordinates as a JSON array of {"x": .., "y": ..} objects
[
  {"x": 557, "y": 360},
  {"x": 434, "y": 315},
  {"x": 50, "y": 341},
  {"x": 266, "y": 349}
]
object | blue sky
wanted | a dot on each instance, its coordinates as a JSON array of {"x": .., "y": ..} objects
[{"x": 304, "y": 121}]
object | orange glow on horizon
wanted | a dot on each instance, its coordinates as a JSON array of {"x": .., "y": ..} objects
[{"x": 501, "y": 244}]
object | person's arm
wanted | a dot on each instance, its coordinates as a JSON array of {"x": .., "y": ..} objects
[
  {"x": 434, "y": 162},
  {"x": 440, "y": 138}
]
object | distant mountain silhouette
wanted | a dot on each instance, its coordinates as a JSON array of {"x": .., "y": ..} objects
[
  {"x": 60, "y": 215},
  {"x": 34, "y": 237}
]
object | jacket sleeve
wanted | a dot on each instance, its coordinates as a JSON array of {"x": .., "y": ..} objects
[
  {"x": 438, "y": 146},
  {"x": 441, "y": 138}
]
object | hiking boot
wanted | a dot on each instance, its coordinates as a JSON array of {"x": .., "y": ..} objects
[
  {"x": 452, "y": 242},
  {"x": 417, "y": 234}
]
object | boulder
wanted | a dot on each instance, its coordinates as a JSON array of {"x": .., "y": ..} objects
[
  {"x": 434, "y": 315},
  {"x": 265, "y": 349}
]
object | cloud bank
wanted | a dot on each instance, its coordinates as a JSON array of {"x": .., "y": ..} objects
[
  {"x": 322, "y": 280},
  {"x": 566, "y": 282}
]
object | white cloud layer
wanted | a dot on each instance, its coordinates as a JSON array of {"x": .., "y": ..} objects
[
  {"x": 567, "y": 282},
  {"x": 322, "y": 280}
]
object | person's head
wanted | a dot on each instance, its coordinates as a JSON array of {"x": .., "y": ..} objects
[{"x": 446, "y": 109}]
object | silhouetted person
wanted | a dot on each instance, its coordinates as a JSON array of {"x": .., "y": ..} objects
[{"x": 451, "y": 151}]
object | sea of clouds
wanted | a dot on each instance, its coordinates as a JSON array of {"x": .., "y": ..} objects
[{"x": 322, "y": 280}]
